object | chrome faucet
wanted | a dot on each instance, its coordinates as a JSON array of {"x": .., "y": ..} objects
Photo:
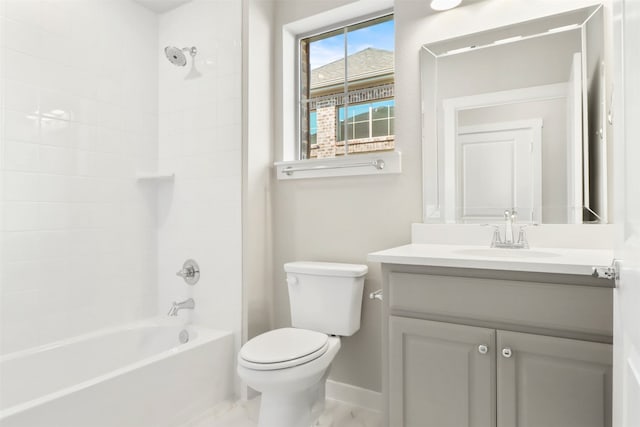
[
  {"x": 510, "y": 217},
  {"x": 177, "y": 306}
]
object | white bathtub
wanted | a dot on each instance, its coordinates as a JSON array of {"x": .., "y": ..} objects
[{"x": 133, "y": 376}]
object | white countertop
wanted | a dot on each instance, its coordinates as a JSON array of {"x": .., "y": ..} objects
[{"x": 540, "y": 260}]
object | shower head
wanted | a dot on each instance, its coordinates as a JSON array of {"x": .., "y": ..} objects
[{"x": 176, "y": 56}]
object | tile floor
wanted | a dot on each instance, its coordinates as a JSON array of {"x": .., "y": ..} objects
[{"x": 245, "y": 414}]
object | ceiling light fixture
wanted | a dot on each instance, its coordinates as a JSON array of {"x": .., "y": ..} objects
[{"x": 440, "y": 5}]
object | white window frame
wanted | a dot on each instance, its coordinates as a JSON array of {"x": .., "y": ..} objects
[{"x": 340, "y": 166}]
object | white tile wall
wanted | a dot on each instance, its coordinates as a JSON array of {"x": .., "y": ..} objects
[
  {"x": 200, "y": 140},
  {"x": 79, "y": 117}
]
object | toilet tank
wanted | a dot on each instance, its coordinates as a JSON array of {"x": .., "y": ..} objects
[{"x": 325, "y": 296}]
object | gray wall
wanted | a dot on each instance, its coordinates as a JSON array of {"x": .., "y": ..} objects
[
  {"x": 343, "y": 219},
  {"x": 525, "y": 63}
]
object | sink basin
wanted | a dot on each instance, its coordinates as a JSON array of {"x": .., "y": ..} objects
[{"x": 506, "y": 253}]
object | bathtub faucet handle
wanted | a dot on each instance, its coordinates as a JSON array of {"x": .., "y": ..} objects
[
  {"x": 190, "y": 272},
  {"x": 186, "y": 272}
]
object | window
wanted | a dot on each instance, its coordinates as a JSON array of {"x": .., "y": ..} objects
[
  {"x": 364, "y": 121},
  {"x": 347, "y": 90}
]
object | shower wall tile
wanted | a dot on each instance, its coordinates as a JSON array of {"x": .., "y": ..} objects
[
  {"x": 20, "y": 67},
  {"x": 18, "y": 335},
  {"x": 18, "y": 246},
  {"x": 199, "y": 214},
  {"x": 79, "y": 117},
  {"x": 19, "y": 126},
  {"x": 27, "y": 11},
  {"x": 84, "y": 245},
  {"x": 20, "y": 216},
  {"x": 20, "y": 97},
  {"x": 18, "y": 186},
  {"x": 19, "y": 276},
  {"x": 21, "y": 156}
]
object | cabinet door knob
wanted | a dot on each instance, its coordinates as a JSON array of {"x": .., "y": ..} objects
[
  {"x": 483, "y": 349},
  {"x": 506, "y": 352}
]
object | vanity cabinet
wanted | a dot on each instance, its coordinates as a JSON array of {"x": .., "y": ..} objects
[
  {"x": 483, "y": 348},
  {"x": 550, "y": 381},
  {"x": 438, "y": 375}
]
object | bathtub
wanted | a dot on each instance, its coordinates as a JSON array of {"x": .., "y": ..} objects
[{"x": 139, "y": 375}]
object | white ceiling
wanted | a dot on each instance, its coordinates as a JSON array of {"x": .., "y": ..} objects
[{"x": 161, "y": 6}]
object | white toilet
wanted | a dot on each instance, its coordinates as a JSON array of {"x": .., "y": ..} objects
[{"x": 290, "y": 365}]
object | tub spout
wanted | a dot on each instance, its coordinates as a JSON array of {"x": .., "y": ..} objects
[{"x": 177, "y": 306}]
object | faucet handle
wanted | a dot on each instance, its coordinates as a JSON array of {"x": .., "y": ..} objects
[
  {"x": 496, "y": 239},
  {"x": 190, "y": 272},
  {"x": 186, "y": 272},
  {"x": 522, "y": 237}
]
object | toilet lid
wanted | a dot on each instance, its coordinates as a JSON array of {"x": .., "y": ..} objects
[{"x": 283, "y": 348}]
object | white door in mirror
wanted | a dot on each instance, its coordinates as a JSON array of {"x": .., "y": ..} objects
[{"x": 498, "y": 166}]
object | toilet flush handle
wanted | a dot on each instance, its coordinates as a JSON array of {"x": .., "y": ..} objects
[{"x": 292, "y": 281}]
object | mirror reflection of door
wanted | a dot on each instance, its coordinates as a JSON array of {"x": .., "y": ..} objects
[
  {"x": 550, "y": 68},
  {"x": 499, "y": 167},
  {"x": 547, "y": 103}
]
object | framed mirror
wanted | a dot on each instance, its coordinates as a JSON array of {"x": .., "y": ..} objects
[{"x": 515, "y": 118}]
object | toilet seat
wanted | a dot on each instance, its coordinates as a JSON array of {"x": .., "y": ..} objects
[{"x": 283, "y": 348}]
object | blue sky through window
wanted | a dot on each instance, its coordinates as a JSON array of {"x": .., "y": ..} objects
[
  {"x": 325, "y": 51},
  {"x": 313, "y": 123},
  {"x": 354, "y": 110}
]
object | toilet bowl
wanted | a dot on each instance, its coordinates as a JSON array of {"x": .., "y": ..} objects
[
  {"x": 289, "y": 366},
  {"x": 292, "y": 396}
]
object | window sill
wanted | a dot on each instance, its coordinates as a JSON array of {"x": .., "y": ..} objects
[{"x": 381, "y": 163}]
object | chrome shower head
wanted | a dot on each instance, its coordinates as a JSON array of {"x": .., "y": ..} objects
[{"x": 176, "y": 56}]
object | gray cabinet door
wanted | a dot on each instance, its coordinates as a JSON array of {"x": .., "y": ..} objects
[
  {"x": 552, "y": 382},
  {"x": 439, "y": 376}
]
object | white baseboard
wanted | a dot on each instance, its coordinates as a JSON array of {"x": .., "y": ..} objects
[{"x": 353, "y": 395}]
